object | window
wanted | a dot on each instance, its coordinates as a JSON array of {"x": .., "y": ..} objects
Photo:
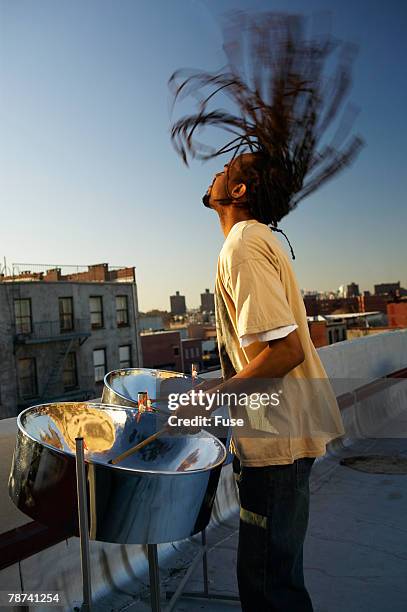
[
  {"x": 122, "y": 311},
  {"x": 96, "y": 312},
  {"x": 99, "y": 364},
  {"x": 65, "y": 314},
  {"x": 27, "y": 375},
  {"x": 125, "y": 356},
  {"x": 22, "y": 314},
  {"x": 176, "y": 350},
  {"x": 70, "y": 374},
  {"x": 187, "y": 353}
]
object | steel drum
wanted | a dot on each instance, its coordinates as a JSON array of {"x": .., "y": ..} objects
[
  {"x": 122, "y": 387},
  {"x": 162, "y": 493}
]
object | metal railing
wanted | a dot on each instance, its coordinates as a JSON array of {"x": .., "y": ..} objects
[
  {"x": 15, "y": 272},
  {"x": 16, "y": 268}
]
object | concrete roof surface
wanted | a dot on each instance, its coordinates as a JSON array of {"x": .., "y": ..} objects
[{"x": 355, "y": 554}]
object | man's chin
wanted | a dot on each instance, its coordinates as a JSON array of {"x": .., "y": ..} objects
[{"x": 205, "y": 201}]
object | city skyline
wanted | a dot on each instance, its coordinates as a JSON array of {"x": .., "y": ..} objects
[
  {"x": 304, "y": 291},
  {"x": 87, "y": 171},
  {"x": 8, "y": 268}
]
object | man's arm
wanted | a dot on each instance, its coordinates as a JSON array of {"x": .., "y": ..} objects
[{"x": 275, "y": 361}]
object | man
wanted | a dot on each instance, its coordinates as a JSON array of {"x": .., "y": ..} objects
[
  {"x": 263, "y": 333},
  {"x": 262, "y": 328}
]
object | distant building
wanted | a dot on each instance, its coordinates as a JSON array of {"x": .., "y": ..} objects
[
  {"x": 397, "y": 314},
  {"x": 210, "y": 354},
  {"x": 61, "y": 333},
  {"x": 180, "y": 328},
  {"x": 318, "y": 332},
  {"x": 392, "y": 289},
  {"x": 311, "y": 305},
  {"x": 178, "y": 305},
  {"x": 315, "y": 307},
  {"x": 207, "y": 301},
  {"x": 368, "y": 303},
  {"x": 326, "y": 331},
  {"x": 174, "y": 350},
  {"x": 162, "y": 350},
  {"x": 336, "y": 331},
  {"x": 205, "y": 332},
  {"x": 151, "y": 323},
  {"x": 352, "y": 290},
  {"x": 192, "y": 354}
]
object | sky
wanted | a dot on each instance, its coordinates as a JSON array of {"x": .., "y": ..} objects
[{"x": 88, "y": 173}]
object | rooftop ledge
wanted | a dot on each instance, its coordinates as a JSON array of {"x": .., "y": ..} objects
[{"x": 355, "y": 552}]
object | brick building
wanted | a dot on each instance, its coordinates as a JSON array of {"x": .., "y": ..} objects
[
  {"x": 192, "y": 354},
  {"x": 361, "y": 303},
  {"x": 61, "y": 333},
  {"x": 326, "y": 331},
  {"x": 172, "y": 350},
  {"x": 315, "y": 306},
  {"x": 397, "y": 314},
  {"x": 318, "y": 333},
  {"x": 199, "y": 330},
  {"x": 367, "y": 303},
  {"x": 162, "y": 350}
]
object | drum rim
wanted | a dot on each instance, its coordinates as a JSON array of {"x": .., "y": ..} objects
[
  {"x": 72, "y": 455},
  {"x": 131, "y": 399}
]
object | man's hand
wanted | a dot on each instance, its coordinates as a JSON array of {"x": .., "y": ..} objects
[
  {"x": 181, "y": 417},
  {"x": 180, "y": 420}
]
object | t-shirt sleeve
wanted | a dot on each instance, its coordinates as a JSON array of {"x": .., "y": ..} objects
[
  {"x": 259, "y": 297},
  {"x": 266, "y": 336}
]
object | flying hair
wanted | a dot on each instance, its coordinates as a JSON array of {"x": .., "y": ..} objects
[{"x": 281, "y": 106}]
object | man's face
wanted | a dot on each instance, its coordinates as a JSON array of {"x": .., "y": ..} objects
[{"x": 219, "y": 192}]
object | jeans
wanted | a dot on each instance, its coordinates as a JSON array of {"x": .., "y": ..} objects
[{"x": 274, "y": 514}]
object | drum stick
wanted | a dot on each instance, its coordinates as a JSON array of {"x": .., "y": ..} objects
[{"x": 137, "y": 447}]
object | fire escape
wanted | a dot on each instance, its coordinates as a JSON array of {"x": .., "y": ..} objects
[{"x": 67, "y": 336}]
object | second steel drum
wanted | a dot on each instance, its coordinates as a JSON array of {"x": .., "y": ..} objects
[{"x": 123, "y": 386}]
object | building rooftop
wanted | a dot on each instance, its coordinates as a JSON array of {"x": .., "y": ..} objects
[
  {"x": 352, "y": 315},
  {"x": 25, "y": 272},
  {"x": 355, "y": 551}
]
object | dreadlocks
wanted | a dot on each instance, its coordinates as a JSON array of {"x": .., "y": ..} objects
[{"x": 284, "y": 107}]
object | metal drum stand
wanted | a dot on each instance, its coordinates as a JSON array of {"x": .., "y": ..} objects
[
  {"x": 83, "y": 525},
  {"x": 202, "y": 554},
  {"x": 152, "y": 554}
]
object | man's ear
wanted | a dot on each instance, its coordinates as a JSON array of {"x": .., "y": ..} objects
[{"x": 238, "y": 191}]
